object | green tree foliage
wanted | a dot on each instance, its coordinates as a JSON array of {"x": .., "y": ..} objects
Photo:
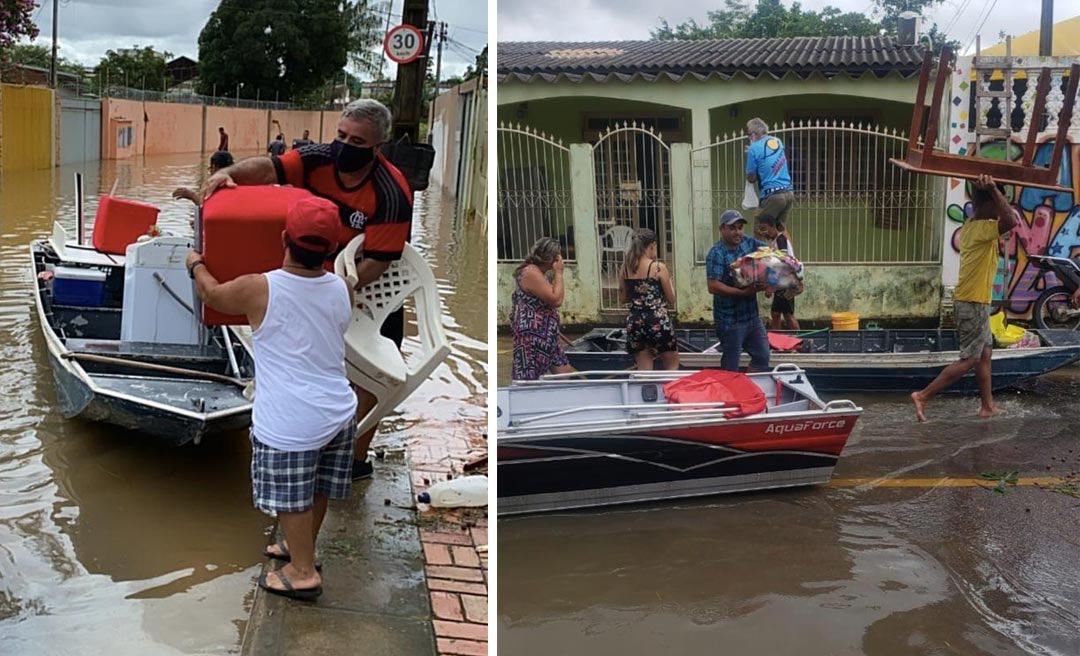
[
  {"x": 135, "y": 67},
  {"x": 16, "y": 21},
  {"x": 770, "y": 18},
  {"x": 29, "y": 54},
  {"x": 272, "y": 48},
  {"x": 367, "y": 27}
]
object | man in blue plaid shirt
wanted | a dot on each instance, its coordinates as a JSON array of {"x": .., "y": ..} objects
[{"x": 735, "y": 309}]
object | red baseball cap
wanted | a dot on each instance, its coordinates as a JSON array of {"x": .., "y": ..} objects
[{"x": 313, "y": 223}]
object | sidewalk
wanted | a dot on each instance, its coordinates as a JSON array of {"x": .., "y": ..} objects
[
  {"x": 374, "y": 596},
  {"x": 454, "y": 540},
  {"x": 397, "y": 579}
]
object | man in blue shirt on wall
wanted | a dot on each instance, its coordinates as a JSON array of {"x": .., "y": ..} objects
[
  {"x": 735, "y": 309},
  {"x": 766, "y": 165}
]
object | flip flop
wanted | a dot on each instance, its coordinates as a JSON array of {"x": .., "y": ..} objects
[
  {"x": 307, "y": 594},
  {"x": 285, "y": 556}
]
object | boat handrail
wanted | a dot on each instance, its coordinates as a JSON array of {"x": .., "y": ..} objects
[
  {"x": 694, "y": 419},
  {"x": 615, "y": 374},
  {"x": 708, "y": 405},
  {"x": 840, "y": 404}
]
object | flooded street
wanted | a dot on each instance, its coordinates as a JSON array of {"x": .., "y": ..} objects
[
  {"x": 112, "y": 544},
  {"x": 853, "y": 568}
]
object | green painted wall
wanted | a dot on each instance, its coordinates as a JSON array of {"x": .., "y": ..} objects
[
  {"x": 579, "y": 304},
  {"x": 564, "y": 117}
]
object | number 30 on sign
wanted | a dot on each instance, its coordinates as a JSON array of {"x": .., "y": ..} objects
[{"x": 403, "y": 44}]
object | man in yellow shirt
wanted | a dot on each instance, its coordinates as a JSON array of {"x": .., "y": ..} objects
[{"x": 992, "y": 216}]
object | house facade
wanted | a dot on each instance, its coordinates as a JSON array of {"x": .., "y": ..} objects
[{"x": 598, "y": 139}]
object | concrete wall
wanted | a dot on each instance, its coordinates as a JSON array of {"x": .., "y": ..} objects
[
  {"x": 171, "y": 128},
  {"x": 293, "y": 124},
  {"x": 329, "y": 127},
  {"x": 248, "y": 129},
  {"x": 27, "y": 127}
]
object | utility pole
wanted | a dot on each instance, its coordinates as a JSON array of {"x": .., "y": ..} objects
[
  {"x": 1046, "y": 28},
  {"x": 52, "y": 60},
  {"x": 409, "y": 86},
  {"x": 438, "y": 73},
  {"x": 438, "y": 56}
]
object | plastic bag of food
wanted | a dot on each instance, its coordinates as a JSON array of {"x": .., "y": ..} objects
[{"x": 775, "y": 269}]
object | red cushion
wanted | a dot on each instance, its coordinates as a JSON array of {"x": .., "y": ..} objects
[{"x": 718, "y": 386}]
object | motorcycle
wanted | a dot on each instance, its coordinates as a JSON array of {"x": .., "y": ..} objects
[{"x": 1053, "y": 307}]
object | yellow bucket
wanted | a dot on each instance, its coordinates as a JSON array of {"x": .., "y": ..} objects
[{"x": 845, "y": 321}]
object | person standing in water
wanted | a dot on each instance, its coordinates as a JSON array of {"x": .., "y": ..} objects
[{"x": 645, "y": 284}]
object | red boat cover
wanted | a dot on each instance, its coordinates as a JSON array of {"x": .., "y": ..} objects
[
  {"x": 716, "y": 386},
  {"x": 783, "y": 342}
]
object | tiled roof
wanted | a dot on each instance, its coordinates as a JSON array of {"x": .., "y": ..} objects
[{"x": 652, "y": 60}]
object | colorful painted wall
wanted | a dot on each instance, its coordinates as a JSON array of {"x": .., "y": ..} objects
[
  {"x": 1050, "y": 220},
  {"x": 27, "y": 127}
]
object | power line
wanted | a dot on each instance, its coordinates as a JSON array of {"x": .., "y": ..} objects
[
  {"x": 956, "y": 17},
  {"x": 979, "y": 28}
]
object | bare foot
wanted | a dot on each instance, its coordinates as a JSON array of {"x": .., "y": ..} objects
[
  {"x": 920, "y": 406},
  {"x": 995, "y": 409}
]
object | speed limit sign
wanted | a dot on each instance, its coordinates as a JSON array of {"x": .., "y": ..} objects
[{"x": 403, "y": 44}]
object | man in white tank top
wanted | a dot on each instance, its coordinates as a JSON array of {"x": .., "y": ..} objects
[{"x": 304, "y": 414}]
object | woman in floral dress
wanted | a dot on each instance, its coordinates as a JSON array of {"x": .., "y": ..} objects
[
  {"x": 645, "y": 285},
  {"x": 534, "y": 319}
]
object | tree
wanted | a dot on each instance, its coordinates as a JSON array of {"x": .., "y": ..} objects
[
  {"x": 770, "y": 18},
  {"x": 274, "y": 48},
  {"x": 135, "y": 67},
  {"x": 29, "y": 54},
  {"x": 366, "y": 31},
  {"x": 16, "y": 21}
]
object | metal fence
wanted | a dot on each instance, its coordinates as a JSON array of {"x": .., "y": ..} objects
[
  {"x": 852, "y": 206},
  {"x": 534, "y": 198},
  {"x": 632, "y": 165},
  {"x": 186, "y": 97}
]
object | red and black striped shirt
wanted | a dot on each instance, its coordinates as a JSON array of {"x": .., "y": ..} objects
[{"x": 380, "y": 206}]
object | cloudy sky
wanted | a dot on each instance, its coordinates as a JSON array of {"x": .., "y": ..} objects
[
  {"x": 597, "y": 20},
  {"x": 90, "y": 27}
]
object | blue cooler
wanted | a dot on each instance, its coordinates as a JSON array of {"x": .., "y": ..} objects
[{"x": 81, "y": 287}]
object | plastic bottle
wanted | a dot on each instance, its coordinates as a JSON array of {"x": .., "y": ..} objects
[{"x": 465, "y": 491}]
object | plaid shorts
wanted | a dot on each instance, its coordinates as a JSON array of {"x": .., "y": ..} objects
[{"x": 287, "y": 481}]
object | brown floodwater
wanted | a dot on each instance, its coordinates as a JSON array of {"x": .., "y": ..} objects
[
  {"x": 110, "y": 543},
  {"x": 920, "y": 570}
]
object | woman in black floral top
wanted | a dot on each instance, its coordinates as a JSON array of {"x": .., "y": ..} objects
[{"x": 645, "y": 286}]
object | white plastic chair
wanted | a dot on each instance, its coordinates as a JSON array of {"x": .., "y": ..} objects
[
  {"x": 372, "y": 361},
  {"x": 613, "y": 247}
]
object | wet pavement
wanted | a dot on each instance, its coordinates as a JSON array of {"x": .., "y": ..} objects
[
  {"x": 902, "y": 563},
  {"x": 112, "y": 544},
  {"x": 374, "y": 593}
]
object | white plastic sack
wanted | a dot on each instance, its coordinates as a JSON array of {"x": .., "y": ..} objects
[{"x": 749, "y": 198}]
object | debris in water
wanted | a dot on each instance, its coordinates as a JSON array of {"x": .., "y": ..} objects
[{"x": 1003, "y": 479}]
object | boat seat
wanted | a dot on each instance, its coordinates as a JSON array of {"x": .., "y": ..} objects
[
  {"x": 373, "y": 362},
  {"x": 79, "y": 254},
  {"x": 147, "y": 350}
]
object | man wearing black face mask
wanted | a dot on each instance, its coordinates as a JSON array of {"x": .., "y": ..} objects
[{"x": 372, "y": 197}]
